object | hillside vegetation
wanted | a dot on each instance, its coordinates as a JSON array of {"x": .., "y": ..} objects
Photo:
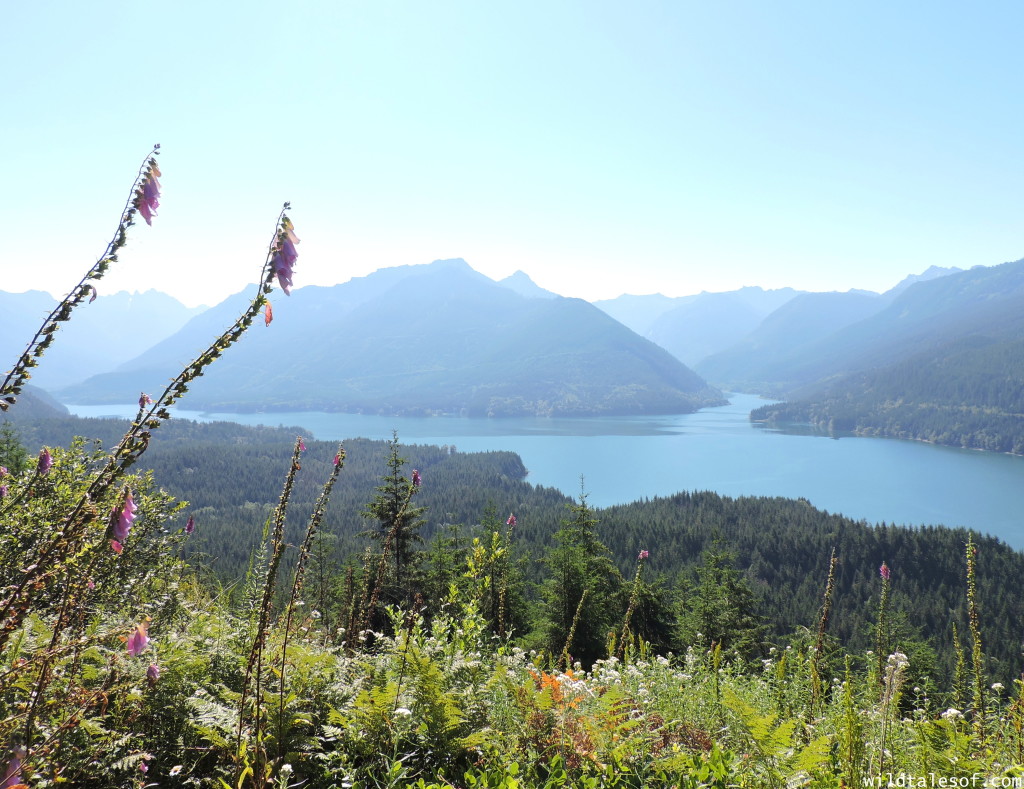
[{"x": 940, "y": 363}]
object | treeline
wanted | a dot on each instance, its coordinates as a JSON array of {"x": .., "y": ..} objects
[
  {"x": 755, "y": 568},
  {"x": 967, "y": 394}
]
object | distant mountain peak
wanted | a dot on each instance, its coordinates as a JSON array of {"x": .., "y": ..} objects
[
  {"x": 932, "y": 272},
  {"x": 521, "y": 283},
  {"x": 457, "y": 263}
]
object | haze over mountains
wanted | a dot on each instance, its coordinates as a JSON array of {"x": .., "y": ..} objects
[
  {"x": 943, "y": 361},
  {"x": 437, "y": 338},
  {"x": 443, "y": 338},
  {"x": 112, "y": 329}
]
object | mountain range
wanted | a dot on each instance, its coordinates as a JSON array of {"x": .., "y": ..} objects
[
  {"x": 936, "y": 357},
  {"x": 435, "y": 338},
  {"x": 114, "y": 328},
  {"x": 942, "y": 361}
]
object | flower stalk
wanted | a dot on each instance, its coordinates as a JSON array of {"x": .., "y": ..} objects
[
  {"x": 977, "y": 656},
  {"x": 12, "y": 385},
  {"x": 633, "y": 597}
]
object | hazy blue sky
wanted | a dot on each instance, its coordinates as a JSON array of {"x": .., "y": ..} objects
[{"x": 601, "y": 147}]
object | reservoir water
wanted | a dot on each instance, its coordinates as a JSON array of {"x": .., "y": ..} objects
[{"x": 623, "y": 459}]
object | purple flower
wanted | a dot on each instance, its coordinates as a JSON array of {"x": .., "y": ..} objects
[
  {"x": 139, "y": 640},
  {"x": 268, "y": 314},
  {"x": 884, "y": 571},
  {"x": 302, "y": 445},
  {"x": 416, "y": 479},
  {"x": 337, "y": 458},
  {"x": 45, "y": 462},
  {"x": 190, "y": 525},
  {"x": 285, "y": 256},
  {"x": 153, "y": 673},
  {"x": 642, "y": 555},
  {"x": 121, "y": 522},
  {"x": 3, "y": 491},
  {"x": 144, "y": 400},
  {"x": 511, "y": 522},
  {"x": 3, "y": 471},
  {"x": 11, "y": 776},
  {"x": 147, "y": 196}
]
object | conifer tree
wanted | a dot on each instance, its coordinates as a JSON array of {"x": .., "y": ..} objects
[
  {"x": 398, "y": 527},
  {"x": 721, "y": 608},
  {"x": 13, "y": 455},
  {"x": 583, "y": 598}
]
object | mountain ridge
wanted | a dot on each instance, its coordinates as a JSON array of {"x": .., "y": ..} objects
[{"x": 436, "y": 338}]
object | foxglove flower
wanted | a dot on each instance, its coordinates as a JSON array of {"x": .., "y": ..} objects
[
  {"x": 147, "y": 196},
  {"x": 416, "y": 479},
  {"x": 337, "y": 458},
  {"x": 302, "y": 445},
  {"x": 511, "y": 522},
  {"x": 45, "y": 462},
  {"x": 268, "y": 314},
  {"x": 3, "y": 491},
  {"x": 190, "y": 525},
  {"x": 11, "y": 776},
  {"x": 285, "y": 255},
  {"x": 139, "y": 640},
  {"x": 153, "y": 673},
  {"x": 3, "y": 471},
  {"x": 642, "y": 555},
  {"x": 123, "y": 525},
  {"x": 144, "y": 400},
  {"x": 884, "y": 571}
]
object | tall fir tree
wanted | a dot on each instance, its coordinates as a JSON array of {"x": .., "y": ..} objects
[
  {"x": 397, "y": 530},
  {"x": 721, "y": 607},
  {"x": 13, "y": 455},
  {"x": 583, "y": 597}
]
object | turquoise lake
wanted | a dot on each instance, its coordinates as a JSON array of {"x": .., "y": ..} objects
[{"x": 622, "y": 459}]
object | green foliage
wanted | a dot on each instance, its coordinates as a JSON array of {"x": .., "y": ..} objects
[
  {"x": 583, "y": 596},
  {"x": 397, "y": 532},
  {"x": 13, "y": 455},
  {"x": 721, "y": 608},
  {"x": 963, "y": 394}
]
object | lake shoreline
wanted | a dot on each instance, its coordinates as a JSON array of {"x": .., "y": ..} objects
[{"x": 626, "y": 459}]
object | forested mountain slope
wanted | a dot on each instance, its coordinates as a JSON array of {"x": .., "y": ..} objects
[
  {"x": 944, "y": 362},
  {"x": 428, "y": 339},
  {"x": 232, "y": 476},
  {"x": 776, "y": 353}
]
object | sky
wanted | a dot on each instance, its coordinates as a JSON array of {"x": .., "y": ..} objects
[{"x": 601, "y": 147}]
